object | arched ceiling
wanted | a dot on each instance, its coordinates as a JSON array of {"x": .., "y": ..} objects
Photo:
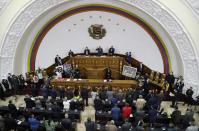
[{"x": 178, "y": 27}]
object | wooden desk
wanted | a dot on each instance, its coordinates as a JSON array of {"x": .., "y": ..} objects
[{"x": 94, "y": 82}]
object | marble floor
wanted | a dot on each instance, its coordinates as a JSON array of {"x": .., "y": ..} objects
[{"x": 90, "y": 111}]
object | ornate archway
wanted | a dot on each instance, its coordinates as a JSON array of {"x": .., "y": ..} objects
[{"x": 159, "y": 13}]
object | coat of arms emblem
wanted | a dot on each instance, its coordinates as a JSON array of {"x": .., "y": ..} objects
[{"x": 97, "y": 31}]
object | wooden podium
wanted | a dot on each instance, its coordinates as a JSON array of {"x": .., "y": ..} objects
[
  {"x": 92, "y": 67},
  {"x": 95, "y": 73}
]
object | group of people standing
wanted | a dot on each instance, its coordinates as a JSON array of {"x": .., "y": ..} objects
[{"x": 13, "y": 83}]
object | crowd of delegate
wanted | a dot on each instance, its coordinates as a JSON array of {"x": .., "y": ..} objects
[{"x": 49, "y": 108}]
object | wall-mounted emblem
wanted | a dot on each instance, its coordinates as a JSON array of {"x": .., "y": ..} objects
[{"x": 97, "y": 31}]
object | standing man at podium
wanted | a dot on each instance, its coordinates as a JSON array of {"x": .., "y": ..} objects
[
  {"x": 111, "y": 50},
  {"x": 108, "y": 74},
  {"x": 58, "y": 60},
  {"x": 86, "y": 51},
  {"x": 141, "y": 68},
  {"x": 99, "y": 51}
]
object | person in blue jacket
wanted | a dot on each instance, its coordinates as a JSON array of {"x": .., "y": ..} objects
[
  {"x": 115, "y": 112},
  {"x": 34, "y": 123}
]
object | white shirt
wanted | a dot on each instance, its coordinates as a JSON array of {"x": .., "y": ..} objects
[
  {"x": 66, "y": 104},
  {"x": 93, "y": 95}
]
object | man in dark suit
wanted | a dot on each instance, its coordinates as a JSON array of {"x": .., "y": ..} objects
[
  {"x": 153, "y": 113},
  {"x": 53, "y": 93},
  {"x": 99, "y": 51},
  {"x": 2, "y": 93},
  {"x": 170, "y": 79},
  {"x": 176, "y": 116},
  {"x": 29, "y": 103},
  {"x": 56, "y": 111},
  {"x": 73, "y": 105},
  {"x": 129, "y": 57},
  {"x": 21, "y": 81},
  {"x": 44, "y": 91},
  {"x": 102, "y": 94},
  {"x": 6, "y": 84},
  {"x": 111, "y": 50},
  {"x": 12, "y": 109},
  {"x": 84, "y": 94},
  {"x": 126, "y": 126},
  {"x": 10, "y": 80},
  {"x": 70, "y": 53},
  {"x": 189, "y": 94},
  {"x": 66, "y": 123},
  {"x": 141, "y": 68},
  {"x": 108, "y": 73},
  {"x": 98, "y": 104},
  {"x": 76, "y": 72},
  {"x": 86, "y": 51},
  {"x": 10, "y": 123},
  {"x": 90, "y": 125},
  {"x": 15, "y": 82},
  {"x": 58, "y": 60},
  {"x": 61, "y": 92}
]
